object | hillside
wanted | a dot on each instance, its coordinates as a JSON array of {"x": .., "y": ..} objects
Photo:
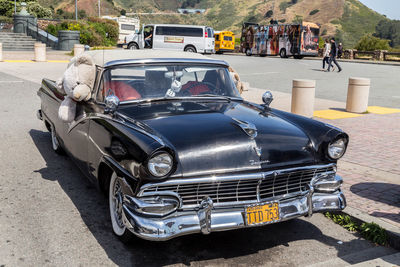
[{"x": 346, "y": 19}]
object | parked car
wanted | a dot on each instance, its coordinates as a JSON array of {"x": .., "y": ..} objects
[
  {"x": 177, "y": 150},
  {"x": 190, "y": 38}
]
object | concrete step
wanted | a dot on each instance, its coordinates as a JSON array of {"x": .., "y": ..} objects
[
  {"x": 357, "y": 257},
  {"x": 16, "y": 38},
  {"x": 18, "y": 42},
  {"x": 388, "y": 260},
  {"x": 19, "y": 49}
]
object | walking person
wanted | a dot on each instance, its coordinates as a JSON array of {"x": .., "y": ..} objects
[
  {"x": 325, "y": 54},
  {"x": 340, "y": 50},
  {"x": 332, "y": 57}
]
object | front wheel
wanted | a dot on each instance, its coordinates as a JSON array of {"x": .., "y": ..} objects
[
  {"x": 282, "y": 53},
  {"x": 248, "y": 52},
  {"x": 115, "y": 197},
  {"x": 133, "y": 46},
  {"x": 190, "y": 49},
  {"x": 54, "y": 141}
]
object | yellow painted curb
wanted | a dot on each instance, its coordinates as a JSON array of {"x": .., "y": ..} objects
[
  {"x": 32, "y": 61},
  {"x": 11, "y": 60},
  {"x": 58, "y": 61},
  {"x": 334, "y": 114},
  {"x": 382, "y": 110}
]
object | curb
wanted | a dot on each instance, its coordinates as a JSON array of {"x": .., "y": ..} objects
[
  {"x": 393, "y": 232},
  {"x": 388, "y": 63}
]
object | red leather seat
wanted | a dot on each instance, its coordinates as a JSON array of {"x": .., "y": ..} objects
[
  {"x": 122, "y": 90},
  {"x": 195, "y": 88}
]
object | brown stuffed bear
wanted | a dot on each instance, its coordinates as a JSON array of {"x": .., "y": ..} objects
[
  {"x": 239, "y": 85},
  {"x": 77, "y": 83}
]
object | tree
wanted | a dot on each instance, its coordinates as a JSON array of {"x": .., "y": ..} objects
[
  {"x": 40, "y": 12},
  {"x": 269, "y": 14},
  {"x": 389, "y": 29},
  {"x": 371, "y": 43}
]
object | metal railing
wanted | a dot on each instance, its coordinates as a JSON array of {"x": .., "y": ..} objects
[
  {"x": 391, "y": 56},
  {"x": 32, "y": 29}
]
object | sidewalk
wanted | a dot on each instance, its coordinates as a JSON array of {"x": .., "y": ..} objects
[
  {"x": 52, "y": 55},
  {"x": 371, "y": 165}
]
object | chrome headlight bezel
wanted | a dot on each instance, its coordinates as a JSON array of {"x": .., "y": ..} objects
[
  {"x": 155, "y": 162},
  {"x": 337, "y": 148}
]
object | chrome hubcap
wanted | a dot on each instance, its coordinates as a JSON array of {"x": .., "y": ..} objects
[
  {"x": 117, "y": 203},
  {"x": 54, "y": 140}
]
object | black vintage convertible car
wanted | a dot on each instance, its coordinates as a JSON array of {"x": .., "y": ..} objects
[{"x": 177, "y": 150}]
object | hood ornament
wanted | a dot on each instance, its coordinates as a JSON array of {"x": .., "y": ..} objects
[{"x": 248, "y": 127}]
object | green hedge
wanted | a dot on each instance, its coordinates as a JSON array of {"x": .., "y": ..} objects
[{"x": 93, "y": 31}]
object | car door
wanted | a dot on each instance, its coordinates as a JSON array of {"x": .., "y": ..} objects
[{"x": 75, "y": 136}]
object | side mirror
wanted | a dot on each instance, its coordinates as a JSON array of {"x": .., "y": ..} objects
[
  {"x": 267, "y": 98},
  {"x": 112, "y": 103}
]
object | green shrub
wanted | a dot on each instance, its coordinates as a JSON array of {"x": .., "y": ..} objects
[
  {"x": 93, "y": 32},
  {"x": 282, "y": 20},
  {"x": 374, "y": 233},
  {"x": 298, "y": 19},
  {"x": 6, "y": 19},
  {"x": 335, "y": 21},
  {"x": 370, "y": 231},
  {"x": 283, "y": 6},
  {"x": 313, "y": 12},
  {"x": 371, "y": 43},
  {"x": 269, "y": 14},
  {"x": 38, "y": 11}
]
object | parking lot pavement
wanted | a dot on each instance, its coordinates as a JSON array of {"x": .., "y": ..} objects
[
  {"x": 276, "y": 74},
  {"x": 371, "y": 165},
  {"x": 51, "y": 215}
]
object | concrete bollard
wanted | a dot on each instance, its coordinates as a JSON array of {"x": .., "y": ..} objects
[
  {"x": 40, "y": 52},
  {"x": 78, "y": 49},
  {"x": 1, "y": 52},
  {"x": 357, "y": 95},
  {"x": 303, "y": 96}
]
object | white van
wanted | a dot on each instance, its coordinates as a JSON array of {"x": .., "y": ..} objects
[
  {"x": 127, "y": 26},
  {"x": 191, "y": 38}
]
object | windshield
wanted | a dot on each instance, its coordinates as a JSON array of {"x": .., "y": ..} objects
[{"x": 143, "y": 82}]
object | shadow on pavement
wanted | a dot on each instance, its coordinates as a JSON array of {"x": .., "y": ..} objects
[
  {"x": 93, "y": 209},
  {"x": 386, "y": 193}
]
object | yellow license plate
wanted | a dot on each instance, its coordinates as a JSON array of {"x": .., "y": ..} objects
[{"x": 263, "y": 213}]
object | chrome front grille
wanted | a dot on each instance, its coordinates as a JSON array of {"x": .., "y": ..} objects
[{"x": 229, "y": 190}]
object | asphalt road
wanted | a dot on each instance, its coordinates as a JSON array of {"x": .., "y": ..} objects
[
  {"x": 276, "y": 74},
  {"x": 50, "y": 215}
]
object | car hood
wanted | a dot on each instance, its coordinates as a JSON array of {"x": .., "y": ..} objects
[{"x": 220, "y": 137}]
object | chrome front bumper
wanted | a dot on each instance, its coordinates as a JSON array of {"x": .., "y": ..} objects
[{"x": 208, "y": 219}]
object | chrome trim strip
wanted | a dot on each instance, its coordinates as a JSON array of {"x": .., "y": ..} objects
[
  {"x": 131, "y": 124},
  {"x": 207, "y": 220},
  {"x": 165, "y": 61},
  {"x": 223, "y": 178}
]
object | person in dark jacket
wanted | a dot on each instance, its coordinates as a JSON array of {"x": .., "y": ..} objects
[
  {"x": 340, "y": 50},
  {"x": 332, "y": 57}
]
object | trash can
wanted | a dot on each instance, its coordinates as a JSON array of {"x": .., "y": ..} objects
[{"x": 67, "y": 39}]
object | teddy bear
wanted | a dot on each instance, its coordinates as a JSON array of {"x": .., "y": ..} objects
[
  {"x": 76, "y": 83},
  {"x": 235, "y": 76}
]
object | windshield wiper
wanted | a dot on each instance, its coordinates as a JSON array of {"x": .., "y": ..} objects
[{"x": 216, "y": 97}]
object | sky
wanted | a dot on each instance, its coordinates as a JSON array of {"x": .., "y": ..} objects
[{"x": 390, "y": 8}]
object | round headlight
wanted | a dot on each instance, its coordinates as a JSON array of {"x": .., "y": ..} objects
[
  {"x": 336, "y": 149},
  {"x": 160, "y": 164}
]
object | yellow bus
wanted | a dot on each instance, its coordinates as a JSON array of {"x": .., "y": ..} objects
[{"x": 224, "y": 41}]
